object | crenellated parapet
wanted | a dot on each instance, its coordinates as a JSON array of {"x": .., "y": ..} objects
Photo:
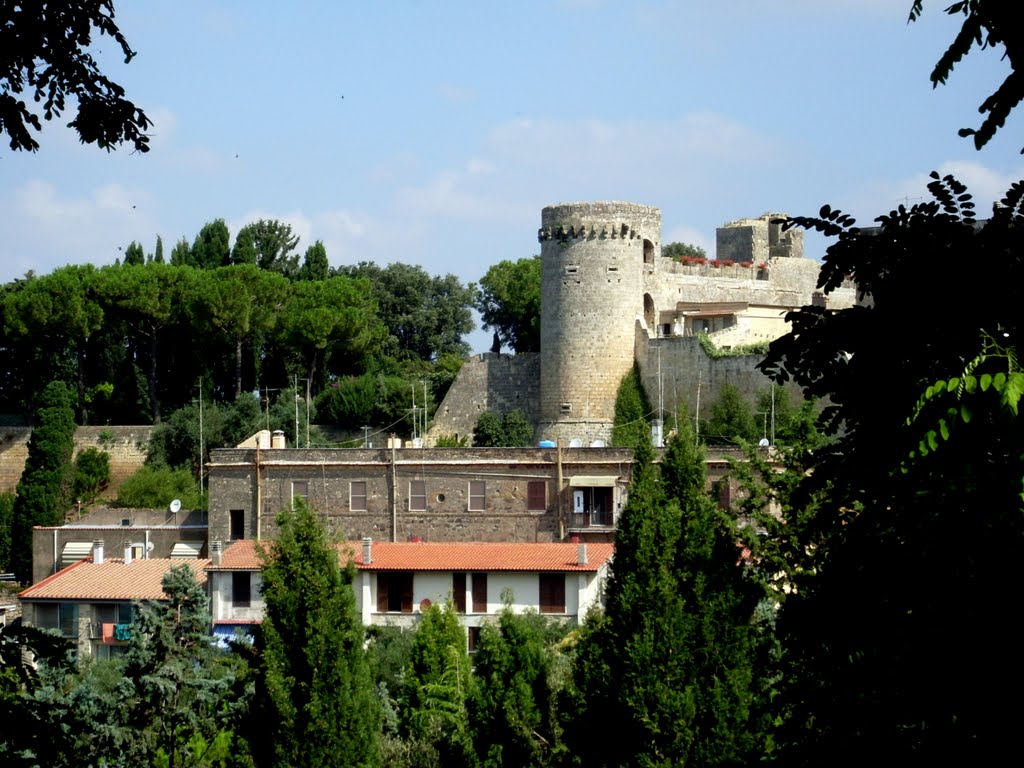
[{"x": 584, "y": 231}]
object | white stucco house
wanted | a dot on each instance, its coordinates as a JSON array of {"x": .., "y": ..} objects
[{"x": 395, "y": 581}]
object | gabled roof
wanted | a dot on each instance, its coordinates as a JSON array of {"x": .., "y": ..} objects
[
  {"x": 111, "y": 580},
  {"x": 445, "y": 556}
]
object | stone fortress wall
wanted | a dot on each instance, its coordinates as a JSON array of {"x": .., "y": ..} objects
[
  {"x": 126, "y": 445},
  {"x": 608, "y": 298}
]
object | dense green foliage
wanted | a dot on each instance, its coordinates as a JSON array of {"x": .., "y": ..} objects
[
  {"x": 513, "y": 714},
  {"x": 50, "y": 62},
  {"x": 632, "y": 412},
  {"x": 664, "y": 676},
  {"x": 732, "y": 419},
  {"x": 437, "y": 689},
  {"x": 168, "y": 702},
  {"x": 509, "y": 431},
  {"x": 92, "y": 474},
  {"x": 911, "y": 515},
  {"x": 426, "y": 316},
  {"x": 123, "y": 336},
  {"x": 44, "y": 490},
  {"x": 315, "y": 702},
  {"x": 678, "y": 251},
  {"x": 154, "y": 486},
  {"x": 6, "y": 524},
  {"x": 508, "y": 301}
]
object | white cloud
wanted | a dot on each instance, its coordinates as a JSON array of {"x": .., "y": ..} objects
[
  {"x": 456, "y": 95},
  {"x": 44, "y": 230}
]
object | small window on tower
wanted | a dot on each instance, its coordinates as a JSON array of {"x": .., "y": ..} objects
[{"x": 566, "y": 408}]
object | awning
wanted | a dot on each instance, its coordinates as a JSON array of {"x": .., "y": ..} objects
[
  {"x": 186, "y": 550},
  {"x": 74, "y": 551},
  {"x": 593, "y": 481}
]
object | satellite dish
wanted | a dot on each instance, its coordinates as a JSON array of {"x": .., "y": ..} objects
[
  {"x": 175, "y": 506},
  {"x": 597, "y": 444},
  {"x": 763, "y": 443},
  {"x": 575, "y": 443}
]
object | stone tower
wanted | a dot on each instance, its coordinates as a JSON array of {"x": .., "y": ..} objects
[{"x": 593, "y": 259}]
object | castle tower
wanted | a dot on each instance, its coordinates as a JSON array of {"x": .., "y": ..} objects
[{"x": 593, "y": 258}]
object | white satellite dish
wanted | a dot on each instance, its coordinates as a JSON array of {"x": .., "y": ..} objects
[
  {"x": 597, "y": 444},
  {"x": 175, "y": 506},
  {"x": 575, "y": 443}
]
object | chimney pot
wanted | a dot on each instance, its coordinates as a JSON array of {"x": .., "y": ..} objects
[
  {"x": 367, "y": 550},
  {"x": 581, "y": 553},
  {"x": 216, "y": 551},
  {"x": 127, "y": 554},
  {"x": 97, "y": 551}
]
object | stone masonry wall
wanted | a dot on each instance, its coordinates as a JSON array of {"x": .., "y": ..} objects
[
  {"x": 126, "y": 446},
  {"x": 593, "y": 256},
  {"x": 488, "y": 382},
  {"x": 242, "y": 480}
]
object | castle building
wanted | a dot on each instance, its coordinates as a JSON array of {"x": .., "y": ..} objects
[{"x": 609, "y": 300}]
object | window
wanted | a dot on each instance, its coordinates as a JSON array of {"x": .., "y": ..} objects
[
  {"x": 59, "y": 616},
  {"x": 479, "y": 593},
  {"x": 536, "y": 495},
  {"x": 552, "y": 593},
  {"x": 357, "y": 496},
  {"x": 113, "y": 613},
  {"x": 477, "y": 494},
  {"x": 417, "y": 496},
  {"x": 237, "y": 524},
  {"x": 241, "y": 589},
  {"x": 592, "y": 506},
  {"x": 394, "y": 592},
  {"x": 474, "y": 638},
  {"x": 300, "y": 489},
  {"x": 459, "y": 592}
]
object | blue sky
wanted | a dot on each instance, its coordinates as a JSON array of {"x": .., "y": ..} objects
[{"x": 434, "y": 133}]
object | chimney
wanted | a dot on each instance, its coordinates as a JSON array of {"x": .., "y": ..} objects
[
  {"x": 277, "y": 439},
  {"x": 216, "y": 550},
  {"x": 127, "y": 554},
  {"x": 367, "y": 550},
  {"x": 97, "y": 551},
  {"x": 581, "y": 553}
]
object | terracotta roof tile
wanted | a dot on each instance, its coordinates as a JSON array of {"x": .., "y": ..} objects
[
  {"x": 241, "y": 555},
  {"x": 444, "y": 556},
  {"x": 111, "y": 580}
]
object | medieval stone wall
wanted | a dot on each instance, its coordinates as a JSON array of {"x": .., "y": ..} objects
[
  {"x": 489, "y": 382},
  {"x": 126, "y": 446}
]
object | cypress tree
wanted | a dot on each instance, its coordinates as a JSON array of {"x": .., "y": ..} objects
[
  {"x": 663, "y": 677},
  {"x": 315, "y": 701},
  {"x": 45, "y": 484},
  {"x": 438, "y": 688}
]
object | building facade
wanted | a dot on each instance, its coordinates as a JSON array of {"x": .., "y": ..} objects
[{"x": 396, "y": 582}]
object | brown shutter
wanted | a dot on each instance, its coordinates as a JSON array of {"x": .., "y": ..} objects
[
  {"x": 407, "y": 593},
  {"x": 552, "y": 593},
  {"x": 479, "y": 593},
  {"x": 382, "y": 593}
]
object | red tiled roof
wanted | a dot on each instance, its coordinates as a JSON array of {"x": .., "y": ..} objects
[
  {"x": 241, "y": 555},
  {"x": 445, "y": 556},
  {"x": 111, "y": 580}
]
